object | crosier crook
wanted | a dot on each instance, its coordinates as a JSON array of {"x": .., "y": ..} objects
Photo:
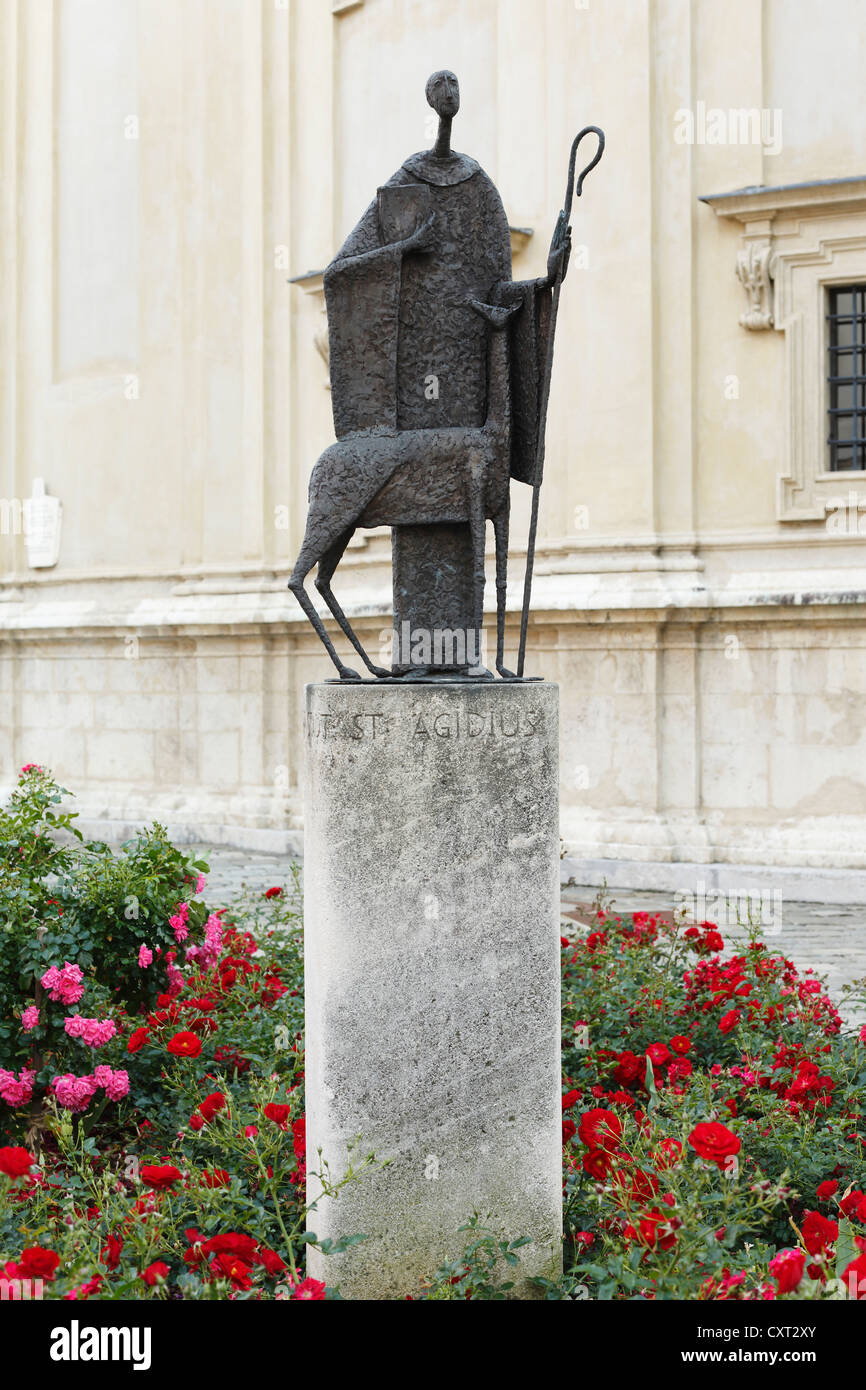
[{"x": 560, "y": 247}]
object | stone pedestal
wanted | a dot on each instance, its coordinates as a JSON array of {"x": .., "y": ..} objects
[{"x": 432, "y": 967}]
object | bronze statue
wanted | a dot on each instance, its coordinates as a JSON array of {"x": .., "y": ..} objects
[{"x": 440, "y": 369}]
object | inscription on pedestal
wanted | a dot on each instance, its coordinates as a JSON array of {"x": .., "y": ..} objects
[{"x": 466, "y": 722}]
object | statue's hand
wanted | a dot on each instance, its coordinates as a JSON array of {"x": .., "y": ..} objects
[
  {"x": 424, "y": 238},
  {"x": 560, "y": 250}
]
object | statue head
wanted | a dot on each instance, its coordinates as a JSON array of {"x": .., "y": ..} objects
[{"x": 443, "y": 93}]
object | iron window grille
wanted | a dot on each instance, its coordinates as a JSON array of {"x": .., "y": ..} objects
[{"x": 846, "y": 377}]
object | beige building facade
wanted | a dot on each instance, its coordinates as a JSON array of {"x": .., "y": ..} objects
[{"x": 175, "y": 176}]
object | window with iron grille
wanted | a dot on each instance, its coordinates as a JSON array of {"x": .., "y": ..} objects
[{"x": 846, "y": 377}]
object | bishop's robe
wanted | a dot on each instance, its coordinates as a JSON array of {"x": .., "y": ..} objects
[{"x": 406, "y": 349}]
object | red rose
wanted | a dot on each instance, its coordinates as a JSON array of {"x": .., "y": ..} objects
[
  {"x": 194, "y": 1256},
  {"x": 156, "y": 1273},
  {"x": 827, "y": 1189},
  {"x": 15, "y": 1162},
  {"x": 299, "y": 1138},
  {"x": 137, "y": 1039},
  {"x": 159, "y": 1175},
  {"x": 657, "y": 1228},
  {"x": 729, "y": 1021},
  {"x": 658, "y": 1054},
  {"x": 232, "y": 1243},
  {"x": 274, "y": 893},
  {"x": 629, "y": 1068},
  {"x": 667, "y": 1153},
  {"x": 278, "y": 1113},
  {"x": 714, "y": 1142},
  {"x": 570, "y": 1098},
  {"x": 196, "y": 1121},
  {"x": 596, "y": 1163},
  {"x": 218, "y": 1178},
  {"x": 600, "y": 1129},
  {"x": 818, "y": 1232},
  {"x": 310, "y": 1288},
  {"x": 848, "y": 1206},
  {"x": 680, "y": 1069},
  {"x": 38, "y": 1263},
  {"x": 203, "y": 1025},
  {"x": 271, "y": 1261},
  {"x": 184, "y": 1045},
  {"x": 680, "y": 1044},
  {"x": 569, "y": 1129},
  {"x": 635, "y": 1185},
  {"x": 231, "y": 1267},
  {"x": 110, "y": 1253},
  {"x": 212, "y": 1105},
  {"x": 854, "y": 1277},
  {"x": 86, "y": 1290},
  {"x": 787, "y": 1269}
]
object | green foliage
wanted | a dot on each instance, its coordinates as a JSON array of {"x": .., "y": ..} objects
[
  {"x": 483, "y": 1272},
  {"x": 63, "y": 898}
]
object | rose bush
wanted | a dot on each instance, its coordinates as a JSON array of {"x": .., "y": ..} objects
[
  {"x": 718, "y": 1131},
  {"x": 152, "y": 1135}
]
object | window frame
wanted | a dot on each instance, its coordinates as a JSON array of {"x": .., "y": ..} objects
[
  {"x": 803, "y": 238},
  {"x": 835, "y": 380}
]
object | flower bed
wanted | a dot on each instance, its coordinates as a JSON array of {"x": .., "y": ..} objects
[
  {"x": 713, "y": 1125},
  {"x": 151, "y": 1075},
  {"x": 152, "y": 1137}
]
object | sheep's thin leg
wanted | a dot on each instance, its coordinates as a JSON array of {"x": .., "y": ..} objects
[
  {"x": 327, "y": 565},
  {"x": 305, "y": 561}
]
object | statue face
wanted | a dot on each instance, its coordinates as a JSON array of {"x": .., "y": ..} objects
[{"x": 443, "y": 93}]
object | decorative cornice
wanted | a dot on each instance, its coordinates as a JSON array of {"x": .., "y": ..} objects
[
  {"x": 310, "y": 281},
  {"x": 816, "y": 199}
]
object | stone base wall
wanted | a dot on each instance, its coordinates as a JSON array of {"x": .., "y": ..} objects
[{"x": 729, "y": 735}]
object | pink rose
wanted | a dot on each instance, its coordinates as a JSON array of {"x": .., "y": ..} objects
[
  {"x": 73, "y": 1092},
  {"x": 64, "y": 985}
]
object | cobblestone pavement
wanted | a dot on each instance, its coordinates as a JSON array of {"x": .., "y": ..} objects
[
  {"x": 234, "y": 870},
  {"x": 830, "y": 939}
]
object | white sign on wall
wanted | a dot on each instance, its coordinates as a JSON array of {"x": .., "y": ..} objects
[{"x": 42, "y": 518}]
